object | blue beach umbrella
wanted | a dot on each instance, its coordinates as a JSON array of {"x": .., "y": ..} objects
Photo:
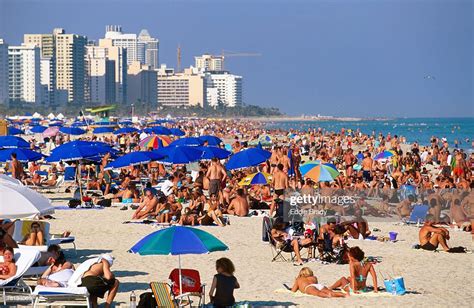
[
  {"x": 133, "y": 159},
  {"x": 179, "y": 154},
  {"x": 178, "y": 240},
  {"x": 125, "y": 122},
  {"x": 188, "y": 141},
  {"x": 23, "y": 155},
  {"x": 77, "y": 150},
  {"x": 214, "y": 152},
  {"x": 79, "y": 123},
  {"x": 12, "y": 131},
  {"x": 125, "y": 130},
  {"x": 72, "y": 130},
  {"x": 211, "y": 140},
  {"x": 38, "y": 129},
  {"x": 177, "y": 132},
  {"x": 159, "y": 130},
  {"x": 13, "y": 142},
  {"x": 103, "y": 130},
  {"x": 248, "y": 158}
]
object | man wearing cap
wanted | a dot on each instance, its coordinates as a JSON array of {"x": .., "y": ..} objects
[{"x": 99, "y": 279}]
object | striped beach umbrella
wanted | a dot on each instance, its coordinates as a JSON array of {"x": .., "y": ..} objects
[
  {"x": 319, "y": 172},
  {"x": 384, "y": 155},
  {"x": 259, "y": 178},
  {"x": 155, "y": 142}
]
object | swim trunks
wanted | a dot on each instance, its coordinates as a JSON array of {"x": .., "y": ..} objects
[
  {"x": 97, "y": 286},
  {"x": 428, "y": 246},
  {"x": 214, "y": 186}
]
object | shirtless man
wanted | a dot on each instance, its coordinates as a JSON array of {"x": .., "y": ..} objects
[
  {"x": 349, "y": 160},
  {"x": 280, "y": 183},
  {"x": 367, "y": 164},
  {"x": 285, "y": 160},
  {"x": 239, "y": 206},
  {"x": 99, "y": 279},
  {"x": 459, "y": 215},
  {"x": 16, "y": 168},
  {"x": 459, "y": 165},
  {"x": 404, "y": 208},
  {"x": 216, "y": 175},
  {"x": 146, "y": 207},
  {"x": 430, "y": 236}
]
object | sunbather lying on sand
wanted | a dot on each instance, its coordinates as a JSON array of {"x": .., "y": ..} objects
[{"x": 307, "y": 283}]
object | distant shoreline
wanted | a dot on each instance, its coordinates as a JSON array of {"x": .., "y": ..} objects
[{"x": 307, "y": 119}]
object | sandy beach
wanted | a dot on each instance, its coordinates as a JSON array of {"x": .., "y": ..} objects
[{"x": 432, "y": 279}]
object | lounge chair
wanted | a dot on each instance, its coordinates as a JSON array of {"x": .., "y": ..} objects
[
  {"x": 22, "y": 228},
  {"x": 72, "y": 295},
  {"x": 191, "y": 285},
  {"x": 24, "y": 260},
  {"x": 418, "y": 214},
  {"x": 164, "y": 297}
]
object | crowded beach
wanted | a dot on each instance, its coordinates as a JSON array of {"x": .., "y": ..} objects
[{"x": 103, "y": 212}]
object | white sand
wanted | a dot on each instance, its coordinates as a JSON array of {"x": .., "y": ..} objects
[{"x": 434, "y": 279}]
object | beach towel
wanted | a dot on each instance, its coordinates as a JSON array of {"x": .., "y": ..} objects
[
  {"x": 67, "y": 208},
  {"x": 367, "y": 294}
]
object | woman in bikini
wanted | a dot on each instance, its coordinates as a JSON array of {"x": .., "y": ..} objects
[
  {"x": 307, "y": 283},
  {"x": 359, "y": 270}
]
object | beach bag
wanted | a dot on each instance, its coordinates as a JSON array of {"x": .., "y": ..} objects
[
  {"x": 105, "y": 202},
  {"x": 73, "y": 203},
  {"x": 147, "y": 300},
  {"x": 266, "y": 223},
  {"x": 395, "y": 285}
]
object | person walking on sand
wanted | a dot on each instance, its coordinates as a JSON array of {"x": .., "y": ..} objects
[{"x": 216, "y": 175}]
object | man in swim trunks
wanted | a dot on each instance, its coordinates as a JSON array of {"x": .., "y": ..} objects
[
  {"x": 147, "y": 206},
  {"x": 280, "y": 183},
  {"x": 216, "y": 175},
  {"x": 99, "y": 280},
  {"x": 430, "y": 236}
]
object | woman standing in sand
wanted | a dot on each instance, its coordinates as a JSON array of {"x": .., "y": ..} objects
[{"x": 307, "y": 283}]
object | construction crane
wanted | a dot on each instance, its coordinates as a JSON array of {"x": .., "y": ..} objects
[
  {"x": 178, "y": 60},
  {"x": 227, "y": 53}
]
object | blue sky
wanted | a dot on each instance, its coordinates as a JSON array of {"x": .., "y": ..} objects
[{"x": 334, "y": 57}]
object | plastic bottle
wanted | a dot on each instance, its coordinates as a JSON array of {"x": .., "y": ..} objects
[
  {"x": 133, "y": 300},
  {"x": 394, "y": 287}
]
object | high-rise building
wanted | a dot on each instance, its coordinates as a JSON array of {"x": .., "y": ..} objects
[
  {"x": 142, "y": 48},
  {"x": 3, "y": 72},
  {"x": 182, "y": 89},
  {"x": 142, "y": 85},
  {"x": 47, "y": 46},
  {"x": 149, "y": 46},
  {"x": 229, "y": 88},
  {"x": 70, "y": 66},
  {"x": 24, "y": 74},
  {"x": 100, "y": 85},
  {"x": 208, "y": 62},
  {"x": 119, "y": 55}
]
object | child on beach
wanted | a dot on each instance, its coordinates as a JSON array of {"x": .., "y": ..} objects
[
  {"x": 307, "y": 283},
  {"x": 223, "y": 284},
  {"x": 359, "y": 270}
]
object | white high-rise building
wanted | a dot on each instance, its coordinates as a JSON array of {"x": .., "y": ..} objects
[
  {"x": 149, "y": 47},
  {"x": 24, "y": 74},
  {"x": 229, "y": 89},
  {"x": 181, "y": 89},
  {"x": 119, "y": 56},
  {"x": 208, "y": 62},
  {"x": 3, "y": 72},
  {"x": 142, "y": 48},
  {"x": 101, "y": 76},
  {"x": 47, "y": 80}
]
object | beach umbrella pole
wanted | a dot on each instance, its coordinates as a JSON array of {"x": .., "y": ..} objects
[{"x": 180, "y": 278}]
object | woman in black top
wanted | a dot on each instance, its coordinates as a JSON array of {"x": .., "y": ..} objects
[{"x": 223, "y": 284}]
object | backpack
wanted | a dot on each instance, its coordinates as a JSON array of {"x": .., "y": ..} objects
[{"x": 147, "y": 300}]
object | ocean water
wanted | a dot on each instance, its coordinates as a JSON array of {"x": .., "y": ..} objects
[{"x": 414, "y": 129}]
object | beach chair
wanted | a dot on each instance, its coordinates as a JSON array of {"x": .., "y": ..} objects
[
  {"x": 418, "y": 214},
  {"x": 70, "y": 180},
  {"x": 22, "y": 228},
  {"x": 162, "y": 293},
  {"x": 72, "y": 295},
  {"x": 277, "y": 252},
  {"x": 191, "y": 285},
  {"x": 24, "y": 260}
]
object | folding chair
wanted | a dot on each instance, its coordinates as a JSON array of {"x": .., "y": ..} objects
[
  {"x": 418, "y": 214},
  {"x": 191, "y": 285},
  {"x": 162, "y": 293},
  {"x": 277, "y": 252}
]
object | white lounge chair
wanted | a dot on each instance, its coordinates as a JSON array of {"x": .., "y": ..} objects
[
  {"x": 24, "y": 259},
  {"x": 72, "y": 295},
  {"x": 22, "y": 227}
]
